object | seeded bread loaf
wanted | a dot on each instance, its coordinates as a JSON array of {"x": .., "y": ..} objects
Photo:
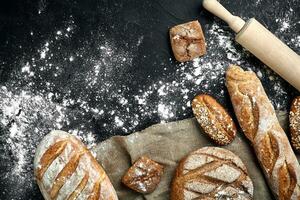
[
  {"x": 295, "y": 123},
  {"x": 258, "y": 120},
  {"x": 214, "y": 119},
  {"x": 211, "y": 173},
  {"x": 65, "y": 169}
]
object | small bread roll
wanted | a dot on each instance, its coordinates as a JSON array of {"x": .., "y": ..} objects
[
  {"x": 187, "y": 41},
  {"x": 144, "y": 175}
]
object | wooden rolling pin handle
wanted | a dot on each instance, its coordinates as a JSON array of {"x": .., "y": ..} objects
[{"x": 213, "y": 6}]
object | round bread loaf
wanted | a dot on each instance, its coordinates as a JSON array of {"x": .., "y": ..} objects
[{"x": 211, "y": 173}]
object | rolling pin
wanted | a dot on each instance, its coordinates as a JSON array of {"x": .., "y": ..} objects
[{"x": 253, "y": 36}]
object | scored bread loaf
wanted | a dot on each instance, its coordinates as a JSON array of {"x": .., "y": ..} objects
[
  {"x": 258, "y": 120},
  {"x": 65, "y": 169},
  {"x": 214, "y": 119},
  {"x": 211, "y": 173}
]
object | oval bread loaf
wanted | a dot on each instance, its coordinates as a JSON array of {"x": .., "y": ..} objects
[
  {"x": 65, "y": 169},
  {"x": 211, "y": 173},
  {"x": 214, "y": 119},
  {"x": 295, "y": 123}
]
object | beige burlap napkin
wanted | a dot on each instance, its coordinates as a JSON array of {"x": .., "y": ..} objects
[{"x": 167, "y": 144}]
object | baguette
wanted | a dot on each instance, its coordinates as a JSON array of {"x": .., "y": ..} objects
[
  {"x": 258, "y": 120},
  {"x": 65, "y": 169}
]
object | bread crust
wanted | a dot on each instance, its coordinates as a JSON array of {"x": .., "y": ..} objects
[
  {"x": 211, "y": 173},
  {"x": 214, "y": 119},
  {"x": 294, "y": 118},
  {"x": 258, "y": 120},
  {"x": 65, "y": 169},
  {"x": 187, "y": 41},
  {"x": 144, "y": 175}
]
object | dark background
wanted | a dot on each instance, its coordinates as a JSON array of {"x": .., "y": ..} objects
[{"x": 26, "y": 25}]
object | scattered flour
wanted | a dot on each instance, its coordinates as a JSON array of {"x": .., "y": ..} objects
[
  {"x": 38, "y": 103},
  {"x": 26, "y": 118}
]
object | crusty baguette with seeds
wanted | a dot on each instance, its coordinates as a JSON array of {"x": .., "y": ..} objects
[
  {"x": 258, "y": 120},
  {"x": 211, "y": 173},
  {"x": 65, "y": 169}
]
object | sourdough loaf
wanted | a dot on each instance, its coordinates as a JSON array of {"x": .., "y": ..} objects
[
  {"x": 65, "y": 169},
  {"x": 211, "y": 173},
  {"x": 258, "y": 120}
]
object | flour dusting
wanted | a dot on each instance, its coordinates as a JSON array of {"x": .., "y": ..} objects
[
  {"x": 89, "y": 89},
  {"x": 27, "y": 118}
]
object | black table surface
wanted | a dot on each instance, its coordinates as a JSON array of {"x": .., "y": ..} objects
[{"x": 105, "y": 63}]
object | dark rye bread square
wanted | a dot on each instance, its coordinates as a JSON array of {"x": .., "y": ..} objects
[{"x": 187, "y": 41}]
